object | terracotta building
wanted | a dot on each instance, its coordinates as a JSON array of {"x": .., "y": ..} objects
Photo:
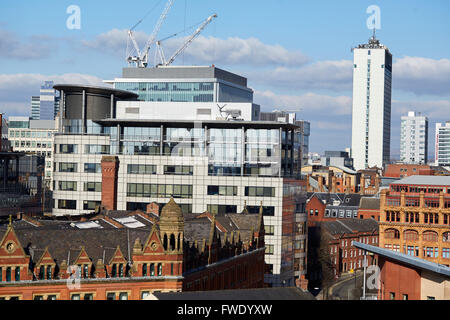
[
  {"x": 404, "y": 277},
  {"x": 415, "y": 217},
  {"x": 129, "y": 256}
]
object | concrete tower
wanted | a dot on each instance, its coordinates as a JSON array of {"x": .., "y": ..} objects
[{"x": 371, "y": 112}]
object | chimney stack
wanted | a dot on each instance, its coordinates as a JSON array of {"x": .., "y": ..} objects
[{"x": 110, "y": 169}]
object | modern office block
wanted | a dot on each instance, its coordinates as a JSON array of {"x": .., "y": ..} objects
[{"x": 442, "y": 146}]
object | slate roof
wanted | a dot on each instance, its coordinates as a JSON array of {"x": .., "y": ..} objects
[
  {"x": 343, "y": 226},
  {"x": 279, "y": 293},
  {"x": 425, "y": 180},
  {"x": 369, "y": 203}
]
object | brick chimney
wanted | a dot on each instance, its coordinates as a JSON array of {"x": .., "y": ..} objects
[
  {"x": 319, "y": 179},
  {"x": 362, "y": 185},
  {"x": 153, "y": 208},
  {"x": 110, "y": 169}
]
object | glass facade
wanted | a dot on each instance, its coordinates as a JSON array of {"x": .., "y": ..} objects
[{"x": 170, "y": 91}]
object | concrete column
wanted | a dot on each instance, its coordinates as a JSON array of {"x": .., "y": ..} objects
[
  {"x": 83, "y": 112},
  {"x": 292, "y": 153},
  {"x": 242, "y": 150},
  {"x": 61, "y": 111},
  {"x": 112, "y": 111}
]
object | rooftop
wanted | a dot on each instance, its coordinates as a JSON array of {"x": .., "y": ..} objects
[
  {"x": 404, "y": 258},
  {"x": 425, "y": 180}
]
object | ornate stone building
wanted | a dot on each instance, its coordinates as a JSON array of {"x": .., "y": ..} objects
[
  {"x": 415, "y": 217},
  {"x": 128, "y": 255}
]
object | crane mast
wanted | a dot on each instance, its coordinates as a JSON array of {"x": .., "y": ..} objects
[
  {"x": 185, "y": 44},
  {"x": 141, "y": 58}
]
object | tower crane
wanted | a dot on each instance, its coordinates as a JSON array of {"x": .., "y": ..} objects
[
  {"x": 165, "y": 62},
  {"x": 141, "y": 58}
]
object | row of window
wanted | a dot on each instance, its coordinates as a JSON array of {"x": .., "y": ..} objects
[
  {"x": 72, "y": 186},
  {"x": 428, "y": 252},
  {"x": 72, "y": 204},
  {"x": 334, "y": 213},
  {"x": 411, "y": 217},
  {"x": 29, "y": 134},
  {"x": 9, "y": 272},
  {"x": 31, "y": 144}
]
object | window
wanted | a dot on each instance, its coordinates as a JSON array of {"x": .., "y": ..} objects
[
  {"x": 49, "y": 272},
  {"x": 123, "y": 296},
  {"x": 93, "y": 186},
  {"x": 405, "y": 297},
  {"x": 96, "y": 149},
  {"x": 88, "y": 296},
  {"x": 221, "y": 209},
  {"x": 68, "y": 148},
  {"x": 114, "y": 271},
  {"x": 141, "y": 169},
  {"x": 152, "y": 269},
  {"x": 90, "y": 204},
  {"x": 181, "y": 170},
  {"x": 431, "y": 298},
  {"x": 222, "y": 190},
  {"x": 159, "y": 269},
  {"x": 17, "y": 274},
  {"x": 259, "y": 191},
  {"x": 159, "y": 190},
  {"x": 269, "y": 230},
  {"x": 92, "y": 167},
  {"x": 269, "y": 249},
  {"x": 67, "y": 185},
  {"x": 144, "y": 294},
  {"x": 327, "y": 212},
  {"x": 144, "y": 270},
  {"x": 392, "y": 296},
  {"x": 110, "y": 296},
  {"x": 67, "y": 204},
  {"x": 446, "y": 253},
  {"x": 75, "y": 297},
  {"x": 67, "y": 167}
]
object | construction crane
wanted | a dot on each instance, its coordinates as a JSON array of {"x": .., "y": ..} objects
[
  {"x": 141, "y": 58},
  {"x": 165, "y": 62}
]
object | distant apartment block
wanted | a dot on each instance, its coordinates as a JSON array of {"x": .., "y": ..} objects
[
  {"x": 414, "y": 138},
  {"x": 442, "y": 149}
]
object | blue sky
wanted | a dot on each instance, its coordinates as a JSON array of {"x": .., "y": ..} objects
[{"x": 296, "y": 54}]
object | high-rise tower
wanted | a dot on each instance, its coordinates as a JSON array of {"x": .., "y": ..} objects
[
  {"x": 414, "y": 138},
  {"x": 371, "y": 112}
]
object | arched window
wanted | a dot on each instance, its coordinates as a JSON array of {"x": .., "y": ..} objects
[
  {"x": 412, "y": 235},
  {"x": 159, "y": 269},
  {"x": 165, "y": 242},
  {"x": 392, "y": 234},
  {"x": 152, "y": 269},
  {"x": 114, "y": 271},
  {"x": 85, "y": 271},
  {"x": 121, "y": 270},
  {"x": 446, "y": 237},
  {"x": 172, "y": 242},
  {"x": 144, "y": 270},
  {"x": 430, "y": 236}
]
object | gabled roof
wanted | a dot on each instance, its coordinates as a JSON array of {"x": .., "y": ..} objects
[
  {"x": 369, "y": 203},
  {"x": 404, "y": 258}
]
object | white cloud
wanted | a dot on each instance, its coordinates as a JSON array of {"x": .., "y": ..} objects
[
  {"x": 206, "y": 50},
  {"x": 309, "y": 103},
  {"x": 422, "y": 75},
  {"x": 34, "y": 47}
]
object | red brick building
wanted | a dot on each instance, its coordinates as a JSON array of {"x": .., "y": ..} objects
[
  {"x": 124, "y": 260},
  {"x": 401, "y": 170},
  {"x": 341, "y": 233},
  {"x": 369, "y": 207},
  {"x": 403, "y": 277}
]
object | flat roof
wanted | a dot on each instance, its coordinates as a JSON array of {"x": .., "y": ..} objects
[
  {"x": 123, "y": 94},
  {"x": 404, "y": 258},
  {"x": 425, "y": 180},
  {"x": 184, "y": 72}
]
